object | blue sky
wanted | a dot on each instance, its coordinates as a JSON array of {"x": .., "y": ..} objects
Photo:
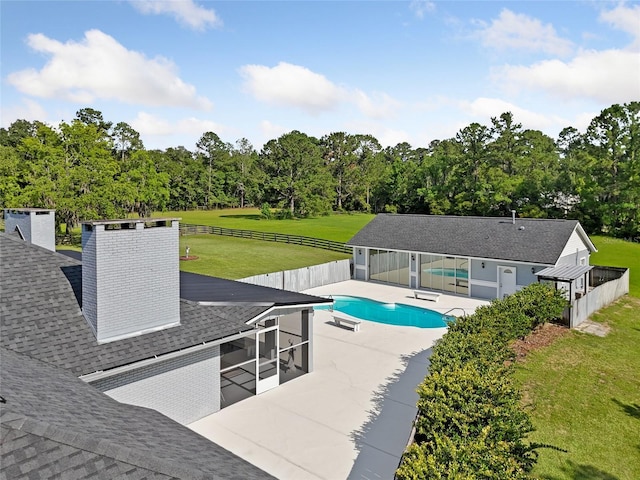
[{"x": 402, "y": 71}]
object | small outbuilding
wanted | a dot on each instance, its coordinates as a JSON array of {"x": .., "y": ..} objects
[{"x": 481, "y": 257}]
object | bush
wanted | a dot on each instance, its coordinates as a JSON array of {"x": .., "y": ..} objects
[
  {"x": 457, "y": 348},
  {"x": 475, "y": 458},
  {"x": 462, "y": 402},
  {"x": 470, "y": 423},
  {"x": 265, "y": 211}
]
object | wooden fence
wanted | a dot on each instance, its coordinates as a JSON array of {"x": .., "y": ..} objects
[{"x": 190, "y": 229}]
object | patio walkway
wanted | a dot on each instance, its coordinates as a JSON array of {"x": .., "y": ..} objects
[{"x": 351, "y": 417}]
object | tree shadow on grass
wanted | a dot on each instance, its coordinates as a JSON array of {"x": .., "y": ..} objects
[
  {"x": 631, "y": 409},
  {"x": 575, "y": 471},
  {"x": 381, "y": 441}
]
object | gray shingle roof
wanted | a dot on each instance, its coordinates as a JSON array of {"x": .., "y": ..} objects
[
  {"x": 40, "y": 308},
  {"x": 529, "y": 240},
  {"x": 56, "y": 426}
]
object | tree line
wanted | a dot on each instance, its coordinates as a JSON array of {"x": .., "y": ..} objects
[{"x": 89, "y": 168}]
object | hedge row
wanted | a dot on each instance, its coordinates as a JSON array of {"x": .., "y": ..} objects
[{"x": 470, "y": 422}]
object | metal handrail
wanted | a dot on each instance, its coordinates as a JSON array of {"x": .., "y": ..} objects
[{"x": 464, "y": 313}]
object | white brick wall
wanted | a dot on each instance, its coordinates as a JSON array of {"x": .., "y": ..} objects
[
  {"x": 38, "y": 227},
  {"x": 130, "y": 279},
  {"x": 184, "y": 389}
]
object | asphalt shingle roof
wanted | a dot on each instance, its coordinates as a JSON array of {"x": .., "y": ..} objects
[
  {"x": 529, "y": 240},
  {"x": 40, "y": 299},
  {"x": 54, "y": 425}
]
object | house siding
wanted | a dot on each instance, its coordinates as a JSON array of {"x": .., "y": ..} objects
[
  {"x": 573, "y": 250},
  {"x": 185, "y": 389}
]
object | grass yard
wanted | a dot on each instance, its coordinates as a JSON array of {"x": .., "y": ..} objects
[
  {"x": 585, "y": 397},
  {"x": 613, "y": 252},
  {"x": 337, "y": 227},
  {"x": 235, "y": 258},
  {"x": 583, "y": 391}
]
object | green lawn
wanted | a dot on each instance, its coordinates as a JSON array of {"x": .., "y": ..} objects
[
  {"x": 234, "y": 258},
  {"x": 337, "y": 227},
  {"x": 613, "y": 252},
  {"x": 583, "y": 391}
]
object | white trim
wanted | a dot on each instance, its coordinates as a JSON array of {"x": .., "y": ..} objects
[
  {"x": 484, "y": 283},
  {"x": 99, "y": 375}
]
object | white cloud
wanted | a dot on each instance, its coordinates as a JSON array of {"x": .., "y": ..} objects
[
  {"x": 296, "y": 86},
  {"x": 185, "y": 12},
  {"x": 271, "y": 130},
  {"x": 420, "y": 7},
  {"x": 99, "y": 67},
  {"x": 150, "y": 125},
  {"x": 484, "y": 108},
  {"x": 609, "y": 76},
  {"x": 522, "y": 32},
  {"x": 380, "y": 106},
  {"x": 293, "y": 86},
  {"x": 28, "y": 110},
  {"x": 624, "y": 18}
]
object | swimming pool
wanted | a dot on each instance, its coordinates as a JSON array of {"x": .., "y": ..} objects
[
  {"x": 447, "y": 272},
  {"x": 389, "y": 313}
]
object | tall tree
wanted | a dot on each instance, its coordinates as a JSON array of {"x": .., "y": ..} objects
[
  {"x": 215, "y": 156},
  {"x": 297, "y": 178}
]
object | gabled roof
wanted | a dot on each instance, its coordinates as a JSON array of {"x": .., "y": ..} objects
[
  {"x": 530, "y": 240},
  {"x": 57, "y": 426},
  {"x": 40, "y": 306}
]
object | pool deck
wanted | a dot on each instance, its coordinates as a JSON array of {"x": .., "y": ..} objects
[{"x": 352, "y": 416}]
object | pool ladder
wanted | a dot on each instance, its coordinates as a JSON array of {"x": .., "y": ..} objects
[{"x": 464, "y": 313}]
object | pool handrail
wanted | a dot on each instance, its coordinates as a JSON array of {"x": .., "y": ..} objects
[{"x": 464, "y": 312}]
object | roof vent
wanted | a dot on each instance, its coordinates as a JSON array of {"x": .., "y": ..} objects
[
  {"x": 513, "y": 217},
  {"x": 521, "y": 227}
]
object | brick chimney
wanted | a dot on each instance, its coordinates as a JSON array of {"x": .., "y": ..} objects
[
  {"x": 34, "y": 225},
  {"x": 130, "y": 276}
]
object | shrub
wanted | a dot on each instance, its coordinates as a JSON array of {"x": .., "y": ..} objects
[
  {"x": 265, "y": 211},
  {"x": 445, "y": 458},
  {"x": 462, "y": 402},
  {"x": 457, "y": 348},
  {"x": 470, "y": 423}
]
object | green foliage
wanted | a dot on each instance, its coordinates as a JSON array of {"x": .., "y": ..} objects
[
  {"x": 445, "y": 458},
  {"x": 470, "y": 422},
  {"x": 265, "y": 211},
  {"x": 458, "y": 348},
  {"x": 484, "y": 170}
]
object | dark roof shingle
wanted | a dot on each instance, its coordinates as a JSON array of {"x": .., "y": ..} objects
[
  {"x": 529, "y": 240},
  {"x": 40, "y": 298},
  {"x": 57, "y": 426}
]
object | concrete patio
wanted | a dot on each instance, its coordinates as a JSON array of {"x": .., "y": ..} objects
[{"x": 351, "y": 417}]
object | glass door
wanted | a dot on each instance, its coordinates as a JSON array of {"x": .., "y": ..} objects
[{"x": 268, "y": 348}]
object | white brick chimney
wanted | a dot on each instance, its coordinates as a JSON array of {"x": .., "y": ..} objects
[
  {"x": 130, "y": 276},
  {"x": 35, "y": 225}
]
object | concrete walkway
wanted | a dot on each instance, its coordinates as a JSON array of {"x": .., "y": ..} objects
[{"x": 352, "y": 416}]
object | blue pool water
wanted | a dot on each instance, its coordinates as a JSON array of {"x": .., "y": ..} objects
[
  {"x": 389, "y": 313},
  {"x": 447, "y": 272}
]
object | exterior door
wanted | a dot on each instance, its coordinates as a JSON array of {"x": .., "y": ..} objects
[
  {"x": 506, "y": 281},
  {"x": 267, "y": 373}
]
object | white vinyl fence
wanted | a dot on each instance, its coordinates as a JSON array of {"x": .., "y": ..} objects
[
  {"x": 601, "y": 296},
  {"x": 304, "y": 278}
]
